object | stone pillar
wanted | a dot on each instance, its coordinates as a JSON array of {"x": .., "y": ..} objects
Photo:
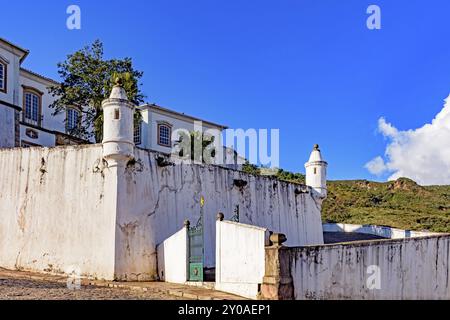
[{"x": 277, "y": 282}]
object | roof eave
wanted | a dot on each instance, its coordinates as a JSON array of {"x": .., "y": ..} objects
[
  {"x": 24, "y": 56},
  {"x": 25, "y": 52},
  {"x": 155, "y": 106},
  {"x": 32, "y": 73}
]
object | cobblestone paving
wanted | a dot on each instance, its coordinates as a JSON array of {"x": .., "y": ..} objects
[
  {"x": 24, "y": 289},
  {"x": 21, "y": 285}
]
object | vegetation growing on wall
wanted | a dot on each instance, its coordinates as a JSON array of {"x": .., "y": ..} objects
[{"x": 280, "y": 174}]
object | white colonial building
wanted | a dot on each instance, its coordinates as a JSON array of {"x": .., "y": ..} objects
[
  {"x": 159, "y": 124},
  {"x": 25, "y": 116},
  {"x": 27, "y": 120}
]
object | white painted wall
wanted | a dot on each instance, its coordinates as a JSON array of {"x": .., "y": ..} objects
[
  {"x": 240, "y": 258},
  {"x": 173, "y": 258},
  {"x": 414, "y": 268},
  {"x": 62, "y": 206},
  {"x": 45, "y": 138},
  {"x": 7, "y": 120},
  {"x": 155, "y": 201},
  {"x": 145, "y": 130},
  {"x": 53, "y": 212},
  {"x": 13, "y": 65},
  {"x": 7, "y": 127},
  {"x": 382, "y": 231}
]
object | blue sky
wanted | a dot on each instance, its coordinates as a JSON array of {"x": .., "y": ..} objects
[{"x": 310, "y": 68}]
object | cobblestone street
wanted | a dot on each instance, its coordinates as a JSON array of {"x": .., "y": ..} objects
[
  {"x": 22, "y": 289},
  {"x": 16, "y": 285}
]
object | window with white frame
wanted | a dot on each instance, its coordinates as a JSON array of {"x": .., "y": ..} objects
[
  {"x": 164, "y": 135},
  {"x": 73, "y": 119},
  {"x": 138, "y": 133},
  {"x": 3, "y": 77},
  {"x": 32, "y": 110}
]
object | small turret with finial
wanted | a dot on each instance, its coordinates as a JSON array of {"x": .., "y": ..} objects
[
  {"x": 316, "y": 172},
  {"x": 118, "y": 126}
]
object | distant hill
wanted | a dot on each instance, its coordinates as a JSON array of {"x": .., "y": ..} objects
[{"x": 402, "y": 204}]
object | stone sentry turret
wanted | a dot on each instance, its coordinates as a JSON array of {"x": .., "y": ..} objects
[
  {"x": 118, "y": 124},
  {"x": 316, "y": 173}
]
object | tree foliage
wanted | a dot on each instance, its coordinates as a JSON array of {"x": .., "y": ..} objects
[
  {"x": 87, "y": 79},
  {"x": 291, "y": 176},
  {"x": 197, "y": 144}
]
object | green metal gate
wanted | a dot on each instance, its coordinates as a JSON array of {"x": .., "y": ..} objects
[{"x": 197, "y": 249}]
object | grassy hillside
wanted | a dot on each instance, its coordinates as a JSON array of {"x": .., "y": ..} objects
[{"x": 402, "y": 204}]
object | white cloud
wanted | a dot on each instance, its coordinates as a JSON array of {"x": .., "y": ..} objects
[
  {"x": 376, "y": 166},
  {"x": 386, "y": 128},
  {"x": 421, "y": 154}
]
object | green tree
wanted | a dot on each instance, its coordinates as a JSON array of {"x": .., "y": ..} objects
[
  {"x": 87, "y": 79},
  {"x": 194, "y": 140}
]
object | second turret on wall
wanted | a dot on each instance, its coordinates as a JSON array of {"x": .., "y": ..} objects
[{"x": 316, "y": 173}]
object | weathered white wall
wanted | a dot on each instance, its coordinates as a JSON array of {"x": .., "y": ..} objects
[
  {"x": 154, "y": 202},
  {"x": 64, "y": 206},
  {"x": 240, "y": 255},
  {"x": 382, "y": 231},
  {"x": 53, "y": 212},
  {"x": 414, "y": 268},
  {"x": 173, "y": 258}
]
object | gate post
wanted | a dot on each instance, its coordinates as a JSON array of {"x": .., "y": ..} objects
[
  {"x": 187, "y": 225},
  {"x": 277, "y": 282}
]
